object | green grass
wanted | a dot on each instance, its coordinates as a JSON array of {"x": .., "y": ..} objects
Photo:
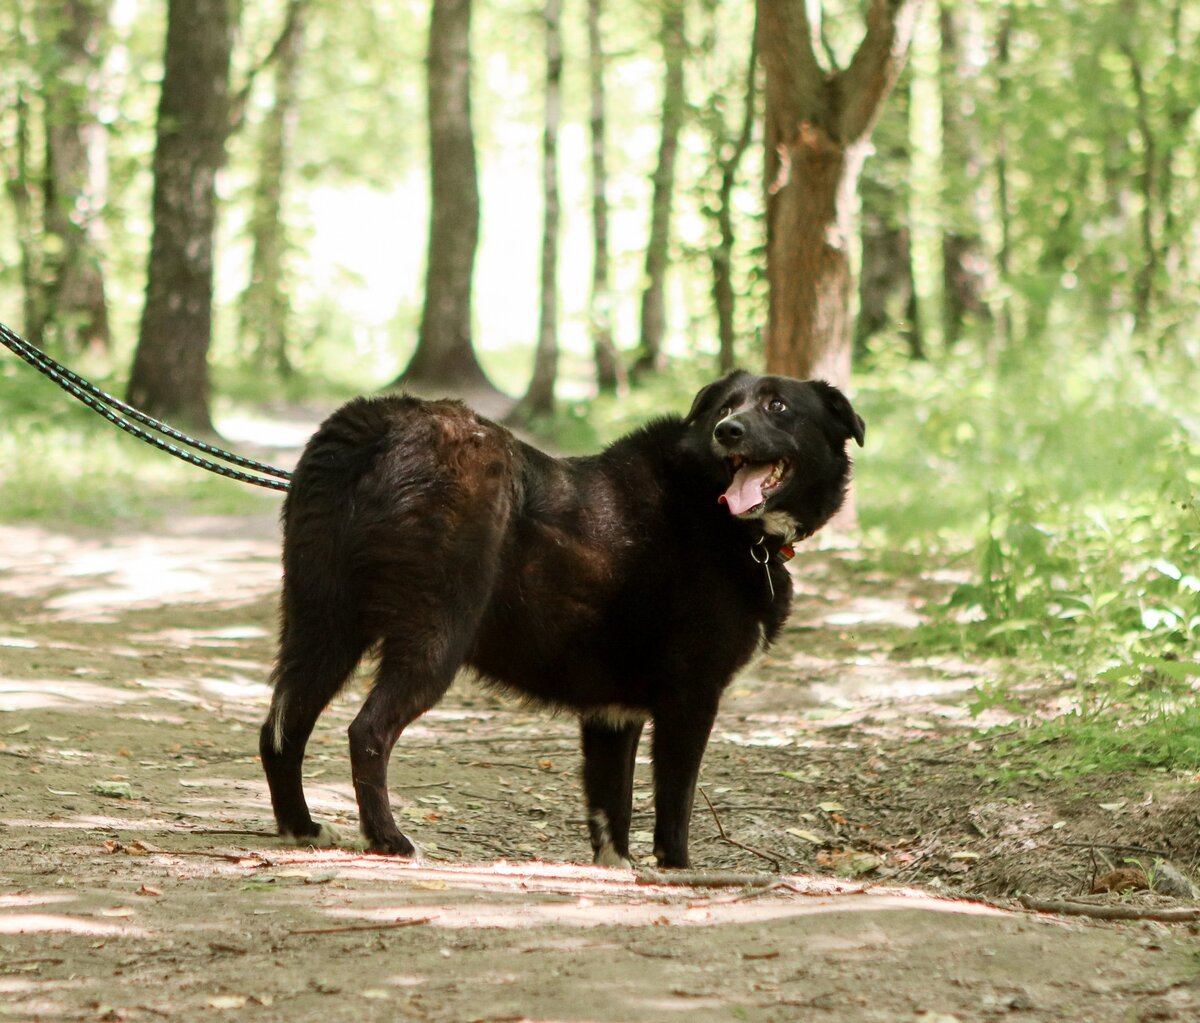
[{"x": 60, "y": 462}]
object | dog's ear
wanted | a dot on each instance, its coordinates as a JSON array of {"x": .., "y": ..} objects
[
  {"x": 849, "y": 422},
  {"x": 706, "y": 396}
]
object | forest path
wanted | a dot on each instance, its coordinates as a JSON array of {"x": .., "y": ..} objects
[{"x": 139, "y": 878}]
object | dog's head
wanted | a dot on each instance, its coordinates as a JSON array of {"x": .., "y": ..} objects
[{"x": 777, "y": 446}]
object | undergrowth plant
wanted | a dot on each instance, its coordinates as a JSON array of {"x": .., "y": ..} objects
[{"x": 1061, "y": 492}]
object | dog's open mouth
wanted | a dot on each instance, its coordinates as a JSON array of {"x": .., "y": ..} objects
[{"x": 753, "y": 483}]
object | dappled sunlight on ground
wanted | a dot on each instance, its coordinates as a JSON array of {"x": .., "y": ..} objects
[{"x": 140, "y": 877}]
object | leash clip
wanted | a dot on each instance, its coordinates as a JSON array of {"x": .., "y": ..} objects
[{"x": 761, "y": 556}]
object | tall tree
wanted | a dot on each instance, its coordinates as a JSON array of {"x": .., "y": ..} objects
[
  {"x": 265, "y": 306},
  {"x": 73, "y": 303},
  {"x": 539, "y": 398},
  {"x": 817, "y": 134},
  {"x": 654, "y": 295},
  {"x": 609, "y": 373},
  {"x": 728, "y": 144},
  {"x": 968, "y": 271},
  {"x": 444, "y": 357},
  {"x": 887, "y": 294},
  {"x": 170, "y": 368}
]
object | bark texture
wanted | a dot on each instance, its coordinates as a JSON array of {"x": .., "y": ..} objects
[
  {"x": 265, "y": 308},
  {"x": 653, "y": 312},
  {"x": 817, "y": 129},
  {"x": 444, "y": 358},
  {"x": 74, "y": 306},
  {"x": 609, "y": 373},
  {"x": 170, "y": 369},
  {"x": 539, "y": 399}
]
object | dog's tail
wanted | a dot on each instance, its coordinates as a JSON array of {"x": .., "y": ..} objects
[{"x": 322, "y": 636}]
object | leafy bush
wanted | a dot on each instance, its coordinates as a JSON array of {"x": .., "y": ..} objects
[{"x": 1062, "y": 491}]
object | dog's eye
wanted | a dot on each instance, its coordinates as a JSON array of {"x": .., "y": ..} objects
[
  {"x": 726, "y": 410},
  {"x": 775, "y": 405}
]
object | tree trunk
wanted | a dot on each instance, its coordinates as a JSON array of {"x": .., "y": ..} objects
[
  {"x": 265, "y": 305},
  {"x": 968, "y": 273},
  {"x": 170, "y": 369},
  {"x": 1147, "y": 183},
  {"x": 609, "y": 373},
  {"x": 539, "y": 399},
  {"x": 444, "y": 358},
  {"x": 1002, "y": 336},
  {"x": 886, "y": 284},
  {"x": 887, "y": 291},
  {"x": 654, "y": 318},
  {"x": 818, "y": 127},
  {"x": 21, "y": 192},
  {"x": 724, "y": 298},
  {"x": 75, "y": 306}
]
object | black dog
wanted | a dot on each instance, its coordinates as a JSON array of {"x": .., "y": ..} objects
[{"x": 627, "y": 586}]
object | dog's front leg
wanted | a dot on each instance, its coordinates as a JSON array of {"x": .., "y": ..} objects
[
  {"x": 609, "y": 752},
  {"x": 680, "y": 734}
]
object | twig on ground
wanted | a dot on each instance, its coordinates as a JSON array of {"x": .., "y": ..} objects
[
  {"x": 390, "y": 926},
  {"x": 229, "y": 857},
  {"x": 774, "y": 861},
  {"x": 1181, "y": 914},
  {"x": 1118, "y": 848},
  {"x": 705, "y": 879},
  {"x": 220, "y": 831}
]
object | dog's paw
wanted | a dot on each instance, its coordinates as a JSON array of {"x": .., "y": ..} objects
[
  {"x": 325, "y": 838},
  {"x": 607, "y": 856},
  {"x": 397, "y": 845}
]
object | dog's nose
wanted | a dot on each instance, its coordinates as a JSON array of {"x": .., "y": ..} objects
[{"x": 729, "y": 431}]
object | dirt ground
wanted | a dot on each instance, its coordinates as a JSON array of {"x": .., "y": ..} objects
[{"x": 856, "y": 858}]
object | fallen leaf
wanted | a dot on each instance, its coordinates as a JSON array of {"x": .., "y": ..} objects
[
  {"x": 964, "y": 856},
  {"x": 1123, "y": 879},
  {"x": 830, "y": 807},
  {"x": 808, "y": 836},
  {"x": 227, "y": 1001},
  {"x": 148, "y": 889}
]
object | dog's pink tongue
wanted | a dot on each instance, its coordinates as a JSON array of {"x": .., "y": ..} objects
[{"x": 745, "y": 492}]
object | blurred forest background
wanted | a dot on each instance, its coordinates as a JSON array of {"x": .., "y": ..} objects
[{"x": 982, "y": 217}]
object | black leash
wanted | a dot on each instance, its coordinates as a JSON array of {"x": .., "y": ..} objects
[{"x": 114, "y": 410}]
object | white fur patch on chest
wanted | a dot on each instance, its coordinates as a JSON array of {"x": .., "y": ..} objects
[{"x": 780, "y": 523}]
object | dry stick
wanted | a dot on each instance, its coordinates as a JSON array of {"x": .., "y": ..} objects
[
  {"x": 1118, "y": 848},
  {"x": 705, "y": 879},
  {"x": 229, "y": 857},
  {"x": 733, "y": 841},
  {"x": 393, "y": 925},
  {"x": 1180, "y": 915}
]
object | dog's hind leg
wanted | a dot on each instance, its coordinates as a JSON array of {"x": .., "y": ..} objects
[
  {"x": 609, "y": 752},
  {"x": 407, "y": 684},
  {"x": 313, "y": 665}
]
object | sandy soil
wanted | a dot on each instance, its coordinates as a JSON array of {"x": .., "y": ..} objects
[{"x": 878, "y": 860}]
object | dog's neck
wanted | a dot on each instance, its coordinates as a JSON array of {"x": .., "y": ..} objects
[{"x": 782, "y": 525}]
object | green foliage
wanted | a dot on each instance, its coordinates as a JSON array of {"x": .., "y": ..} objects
[
  {"x": 1061, "y": 494},
  {"x": 63, "y": 463}
]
